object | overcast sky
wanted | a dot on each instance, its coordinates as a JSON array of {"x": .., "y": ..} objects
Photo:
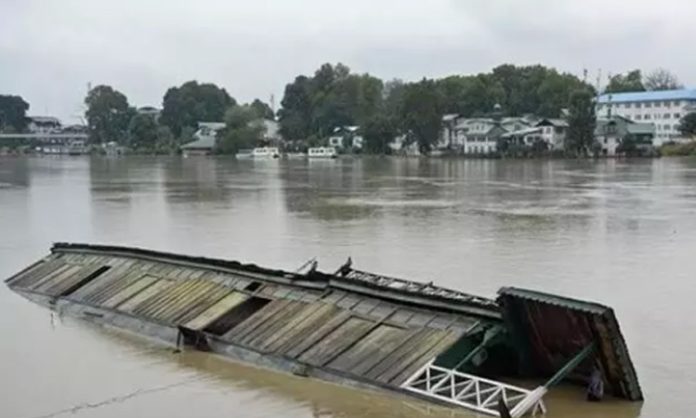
[{"x": 51, "y": 49}]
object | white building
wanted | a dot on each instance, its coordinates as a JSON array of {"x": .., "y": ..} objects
[
  {"x": 208, "y": 130},
  {"x": 663, "y": 109},
  {"x": 43, "y": 125},
  {"x": 477, "y": 136},
  {"x": 346, "y": 137}
]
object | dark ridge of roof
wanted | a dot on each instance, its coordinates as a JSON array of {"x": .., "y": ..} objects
[{"x": 556, "y": 300}]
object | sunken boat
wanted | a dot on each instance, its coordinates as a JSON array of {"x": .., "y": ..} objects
[{"x": 349, "y": 327}]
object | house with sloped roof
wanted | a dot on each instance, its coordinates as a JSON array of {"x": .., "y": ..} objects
[{"x": 618, "y": 135}]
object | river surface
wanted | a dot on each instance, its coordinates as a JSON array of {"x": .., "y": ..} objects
[{"x": 621, "y": 233}]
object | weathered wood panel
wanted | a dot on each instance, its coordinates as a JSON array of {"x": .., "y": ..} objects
[
  {"x": 309, "y": 339},
  {"x": 415, "y": 339},
  {"x": 205, "y": 318},
  {"x": 416, "y": 363},
  {"x": 143, "y": 297},
  {"x": 135, "y": 286},
  {"x": 255, "y": 320},
  {"x": 196, "y": 307},
  {"x": 106, "y": 286},
  {"x": 39, "y": 282},
  {"x": 370, "y": 350},
  {"x": 64, "y": 285},
  {"x": 346, "y": 335},
  {"x": 27, "y": 277},
  {"x": 52, "y": 280},
  {"x": 299, "y": 323},
  {"x": 261, "y": 336}
]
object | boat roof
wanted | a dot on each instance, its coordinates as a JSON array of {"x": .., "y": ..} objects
[{"x": 370, "y": 327}]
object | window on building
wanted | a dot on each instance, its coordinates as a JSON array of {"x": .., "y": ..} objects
[
  {"x": 667, "y": 104},
  {"x": 648, "y": 104},
  {"x": 639, "y": 105},
  {"x": 676, "y": 127},
  {"x": 677, "y": 116},
  {"x": 676, "y": 102},
  {"x": 665, "y": 116},
  {"x": 646, "y": 117},
  {"x": 639, "y": 117},
  {"x": 667, "y": 127}
]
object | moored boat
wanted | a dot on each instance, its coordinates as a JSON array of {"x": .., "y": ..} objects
[
  {"x": 351, "y": 326},
  {"x": 322, "y": 152},
  {"x": 259, "y": 153}
]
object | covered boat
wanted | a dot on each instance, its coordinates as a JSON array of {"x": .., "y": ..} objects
[{"x": 350, "y": 327}]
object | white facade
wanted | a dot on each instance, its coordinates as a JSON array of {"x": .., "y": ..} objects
[
  {"x": 44, "y": 125},
  {"x": 663, "y": 109}
]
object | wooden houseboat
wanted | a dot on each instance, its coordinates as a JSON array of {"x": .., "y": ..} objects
[{"x": 351, "y": 327}]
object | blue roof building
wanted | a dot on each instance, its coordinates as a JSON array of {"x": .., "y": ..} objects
[{"x": 663, "y": 109}]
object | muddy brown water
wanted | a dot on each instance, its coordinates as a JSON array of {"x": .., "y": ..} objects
[{"x": 621, "y": 233}]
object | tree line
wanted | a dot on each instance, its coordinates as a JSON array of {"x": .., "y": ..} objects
[
  {"x": 110, "y": 117},
  {"x": 313, "y": 105}
]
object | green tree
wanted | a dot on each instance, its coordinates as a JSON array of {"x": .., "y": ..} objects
[
  {"x": 421, "y": 113},
  {"x": 581, "y": 123},
  {"x": 661, "y": 79},
  {"x": 192, "y": 103},
  {"x": 378, "y": 133},
  {"x": 142, "y": 133},
  {"x": 263, "y": 110},
  {"x": 631, "y": 81},
  {"x": 166, "y": 142},
  {"x": 687, "y": 126},
  {"x": 296, "y": 111},
  {"x": 331, "y": 97},
  {"x": 13, "y": 113},
  {"x": 242, "y": 130},
  {"x": 108, "y": 115}
]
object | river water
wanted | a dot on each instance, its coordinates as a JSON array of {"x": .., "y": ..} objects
[{"x": 621, "y": 233}]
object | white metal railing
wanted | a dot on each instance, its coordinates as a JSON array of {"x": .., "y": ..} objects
[{"x": 473, "y": 392}]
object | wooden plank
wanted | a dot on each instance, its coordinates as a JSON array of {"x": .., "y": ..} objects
[
  {"x": 45, "y": 284},
  {"x": 217, "y": 310},
  {"x": 106, "y": 286},
  {"x": 268, "y": 322},
  {"x": 345, "y": 335},
  {"x": 308, "y": 340},
  {"x": 135, "y": 286},
  {"x": 307, "y": 329},
  {"x": 113, "y": 287},
  {"x": 248, "y": 325},
  {"x": 179, "y": 295},
  {"x": 64, "y": 284},
  {"x": 416, "y": 363},
  {"x": 370, "y": 350},
  {"x": 261, "y": 338},
  {"x": 37, "y": 282},
  {"x": 26, "y": 277},
  {"x": 143, "y": 297},
  {"x": 190, "y": 300},
  {"x": 413, "y": 342},
  {"x": 302, "y": 321},
  {"x": 163, "y": 299},
  {"x": 210, "y": 298}
]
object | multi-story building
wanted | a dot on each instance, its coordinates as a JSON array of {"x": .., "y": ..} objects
[
  {"x": 477, "y": 135},
  {"x": 663, "y": 109}
]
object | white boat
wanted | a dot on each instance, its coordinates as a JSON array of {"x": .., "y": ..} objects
[
  {"x": 261, "y": 153},
  {"x": 322, "y": 152}
]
